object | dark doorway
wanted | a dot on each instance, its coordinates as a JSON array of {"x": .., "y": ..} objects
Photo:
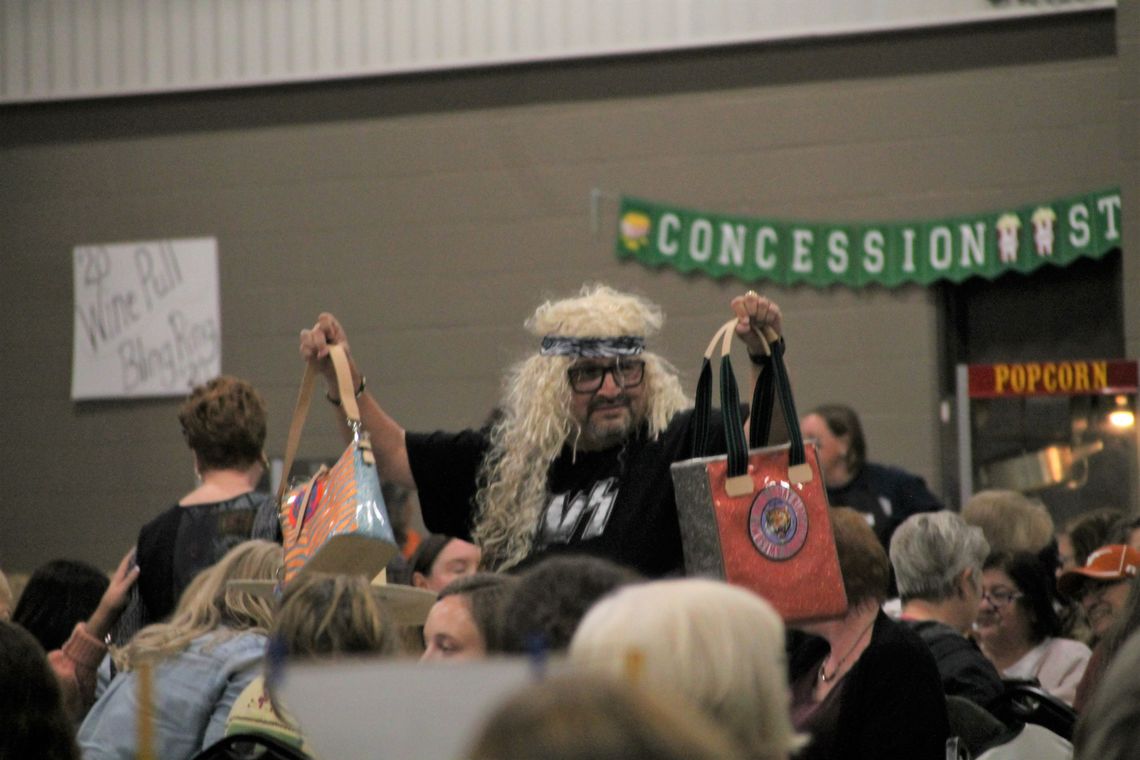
[{"x": 1075, "y": 312}]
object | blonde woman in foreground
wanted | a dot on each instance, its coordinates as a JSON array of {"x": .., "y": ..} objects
[
  {"x": 576, "y": 717},
  {"x": 719, "y": 646},
  {"x": 200, "y": 661}
]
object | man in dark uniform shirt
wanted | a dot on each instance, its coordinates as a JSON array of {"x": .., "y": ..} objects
[{"x": 885, "y": 495}]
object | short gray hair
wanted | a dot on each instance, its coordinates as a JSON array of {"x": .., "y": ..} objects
[{"x": 931, "y": 549}]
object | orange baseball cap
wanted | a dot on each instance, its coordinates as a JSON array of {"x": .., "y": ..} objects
[{"x": 1115, "y": 562}]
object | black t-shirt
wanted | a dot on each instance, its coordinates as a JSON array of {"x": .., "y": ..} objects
[{"x": 617, "y": 503}]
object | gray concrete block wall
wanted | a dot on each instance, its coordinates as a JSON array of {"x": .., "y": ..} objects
[
  {"x": 433, "y": 213},
  {"x": 1128, "y": 52}
]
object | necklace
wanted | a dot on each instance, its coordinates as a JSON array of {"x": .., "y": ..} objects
[{"x": 823, "y": 676}]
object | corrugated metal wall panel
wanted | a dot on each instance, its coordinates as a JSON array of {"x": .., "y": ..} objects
[{"x": 64, "y": 49}]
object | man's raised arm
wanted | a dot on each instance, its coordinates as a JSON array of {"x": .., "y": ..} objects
[{"x": 386, "y": 434}]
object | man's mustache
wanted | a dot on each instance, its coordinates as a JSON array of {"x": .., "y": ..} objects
[{"x": 599, "y": 402}]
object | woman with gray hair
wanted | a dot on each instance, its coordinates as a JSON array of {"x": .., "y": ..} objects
[{"x": 938, "y": 561}]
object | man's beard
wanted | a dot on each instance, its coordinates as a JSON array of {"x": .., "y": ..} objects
[{"x": 603, "y": 433}]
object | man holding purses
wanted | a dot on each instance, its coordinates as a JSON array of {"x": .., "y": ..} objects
[{"x": 577, "y": 458}]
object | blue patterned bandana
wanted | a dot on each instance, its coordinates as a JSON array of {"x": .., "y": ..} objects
[{"x": 591, "y": 348}]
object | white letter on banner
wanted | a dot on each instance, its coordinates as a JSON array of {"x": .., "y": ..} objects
[
  {"x": 973, "y": 244},
  {"x": 765, "y": 260},
  {"x": 873, "y": 248},
  {"x": 908, "y": 250},
  {"x": 1079, "y": 233},
  {"x": 1108, "y": 206},
  {"x": 837, "y": 251},
  {"x": 938, "y": 260},
  {"x": 801, "y": 251},
  {"x": 665, "y": 245},
  {"x": 700, "y": 240},
  {"x": 732, "y": 244}
]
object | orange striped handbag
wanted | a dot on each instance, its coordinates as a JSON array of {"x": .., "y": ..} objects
[{"x": 336, "y": 522}]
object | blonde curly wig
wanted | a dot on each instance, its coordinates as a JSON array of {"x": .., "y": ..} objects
[{"x": 536, "y": 422}]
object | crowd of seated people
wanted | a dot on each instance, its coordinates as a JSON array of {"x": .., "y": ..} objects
[
  {"x": 859, "y": 686},
  {"x": 647, "y": 667}
]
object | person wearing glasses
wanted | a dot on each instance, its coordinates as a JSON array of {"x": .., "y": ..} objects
[
  {"x": 1104, "y": 588},
  {"x": 577, "y": 459},
  {"x": 1018, "y": 628},
  {"x": 886, "y": 495}
]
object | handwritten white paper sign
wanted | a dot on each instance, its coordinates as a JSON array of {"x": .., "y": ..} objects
[{"x": 147, "y": 320}]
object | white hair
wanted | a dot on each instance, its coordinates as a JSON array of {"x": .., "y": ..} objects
[
  {"x": 720, "y": 646},
  {"x": 930, "y": 550},
  {"x": 1012, "y": 521}
]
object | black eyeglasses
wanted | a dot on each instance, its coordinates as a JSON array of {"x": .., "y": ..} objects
[
  {"x": 587, "y": 378},
  {"x": 1000, "y": 597}
]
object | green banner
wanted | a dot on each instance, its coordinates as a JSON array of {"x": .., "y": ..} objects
[{"x": 856, "y": 254}]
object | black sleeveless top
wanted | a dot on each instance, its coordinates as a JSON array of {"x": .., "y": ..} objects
[{"x": 181, "y": 542}]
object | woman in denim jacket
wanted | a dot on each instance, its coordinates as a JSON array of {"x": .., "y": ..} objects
[{"x": 200, "y": 661}]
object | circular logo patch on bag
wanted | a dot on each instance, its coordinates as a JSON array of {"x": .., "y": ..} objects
[{"x": 778, "y": 522}]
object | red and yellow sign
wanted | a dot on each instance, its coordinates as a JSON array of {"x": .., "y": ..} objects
[{"x": 1053, "y": 378}]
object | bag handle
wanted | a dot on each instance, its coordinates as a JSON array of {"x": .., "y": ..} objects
[
  {"x": 772, "y": 383},
  {"x": 730, "y": 404},
  {"x": 301, "y": 412}
]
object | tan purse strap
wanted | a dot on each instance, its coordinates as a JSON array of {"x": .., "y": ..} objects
[
  {"x": 776, "y": 377},
  {"x": 725, "y": 333},
  {"x": 301, "y": 410},
  {"x": 344, "y": 384}
]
